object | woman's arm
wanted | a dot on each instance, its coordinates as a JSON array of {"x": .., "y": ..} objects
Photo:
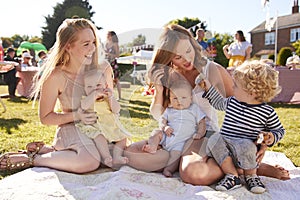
[
  {"x": 48, "y": 97},
  {"x": 156, "y": 107},
  {"x": 248, "y": 52},
  {"x": 225, "y": 51}
]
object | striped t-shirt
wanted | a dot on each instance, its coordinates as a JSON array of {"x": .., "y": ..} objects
[{"x": 244, "y": 120}]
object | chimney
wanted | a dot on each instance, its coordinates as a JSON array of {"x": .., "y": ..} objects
[{"x": 295, "y": 8}]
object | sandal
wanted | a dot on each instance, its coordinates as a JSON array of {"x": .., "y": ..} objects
[
  {"x": 16, "y": 166},
  {"x": 34, "y": 147}
]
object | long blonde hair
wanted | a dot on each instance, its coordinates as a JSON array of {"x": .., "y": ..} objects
[
  {"x": 58, "y": 56},
  {"x": 161, "y": 67}
]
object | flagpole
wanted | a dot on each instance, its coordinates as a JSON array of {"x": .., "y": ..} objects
[{"x": 276, "y": 35}]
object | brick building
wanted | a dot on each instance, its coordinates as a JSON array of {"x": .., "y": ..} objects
[{"x": 263, "y": 41}]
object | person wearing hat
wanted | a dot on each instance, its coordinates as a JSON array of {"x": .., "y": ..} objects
[
  {"x": 26, "y": 61},
  {"x": 10, "y": 77}
]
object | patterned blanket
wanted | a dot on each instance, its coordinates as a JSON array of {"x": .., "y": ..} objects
[{"x": 129, "y": 183}]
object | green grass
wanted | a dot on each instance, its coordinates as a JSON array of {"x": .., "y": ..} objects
[{"x": 20, "y": 123}]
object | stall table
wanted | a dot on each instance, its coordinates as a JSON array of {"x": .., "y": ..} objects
[{"x": 25, "y": 85}]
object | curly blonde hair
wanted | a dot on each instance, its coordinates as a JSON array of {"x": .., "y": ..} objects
[{"x": 258, "y": 78}]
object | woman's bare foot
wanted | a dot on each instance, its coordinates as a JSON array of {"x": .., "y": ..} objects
[
  {"x": 108, "y": 161},
  {"x": 149, "y": 148},
  {"x": 273, "y": 171},
  {"x": 121, "y": 160}
]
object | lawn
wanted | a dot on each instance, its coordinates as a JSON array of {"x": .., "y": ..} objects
[{"x": 20, "y": 124}]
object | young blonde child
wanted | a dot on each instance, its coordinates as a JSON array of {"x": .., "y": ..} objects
[
  {"x": 247, "y": 116},
  {"x": 180, "y": 121},
  {"x": 108, "y": 128}
]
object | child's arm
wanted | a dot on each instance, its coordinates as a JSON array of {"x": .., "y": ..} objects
[
  {"x": 88, "y": 101},
  {"x": 201, "y": 129},
  {"x": 213, "y": 96},
  {"x": 276, "y": 130},
  {"x": 113, "y": 104},
  {"x": 163, "y": 125}
]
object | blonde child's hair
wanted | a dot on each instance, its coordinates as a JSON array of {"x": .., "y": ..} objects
[{"x": 257, "y": 77}]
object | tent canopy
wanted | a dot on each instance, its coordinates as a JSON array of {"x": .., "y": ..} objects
[
  {"x": 142, "y": 57},
  {"x": 25, "y": 45}
]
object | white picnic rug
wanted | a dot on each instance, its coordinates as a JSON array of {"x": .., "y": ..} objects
[{"x": 128, "y": 183}]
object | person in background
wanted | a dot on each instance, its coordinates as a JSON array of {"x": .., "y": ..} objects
[
  {"x": 26, "y": 61},
  {"x": 111, "y": 54},
  {"x": 238, "y": 51},
  {"x": 181, "y": 121},
  {"x": 42, "y": 58},
  {"x": 202, "y": 43},
  {"x": 10, "y": 77}
]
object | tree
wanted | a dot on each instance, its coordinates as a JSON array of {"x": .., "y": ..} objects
[
  {"x": 296, "y": 45},
  {"x": 221, "y": 40},
  {"x": 62, "y": 11},
  {"x": 283, "y": 55},
  {"x": 140, "y": 40},
  {"x": 193, "y": 24}
]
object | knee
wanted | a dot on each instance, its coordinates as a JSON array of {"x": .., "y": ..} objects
[
  {"x": 194, "y": 174},
  {"x": 86, "y": 165}
]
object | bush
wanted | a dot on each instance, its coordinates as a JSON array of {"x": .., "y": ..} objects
[{"x": 283, "y": 54}]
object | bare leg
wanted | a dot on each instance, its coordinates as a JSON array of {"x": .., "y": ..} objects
[
  {"x": 273, "y": 171},
  {"x": 173, "y": 163},
  {"x": 118, "y": 158},
  {"x": 145, "y": 161},
  {"x": 153, "y": 142},
  {"x": 228, "y": 166},
  {"x": 103, "y": 149},
  {"x": 195, "y": 167}
]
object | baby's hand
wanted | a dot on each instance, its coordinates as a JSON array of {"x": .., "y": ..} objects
[
  {"x": 168, "y": 131},
  {"x": 107, "y": 92}
]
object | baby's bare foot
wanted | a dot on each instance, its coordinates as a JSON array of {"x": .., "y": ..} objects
[
  {"x": 108, "y": 161},
  {"x": 167, "y": 173},
  {"x": 150, "y": 148},
  {"x": 120, "y": 160}
]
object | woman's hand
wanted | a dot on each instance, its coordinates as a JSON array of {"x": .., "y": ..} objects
[
  {"x": 86, "y": 117},
  {"x": 260, "y": 154},
  {"x": 225, "y": 47}
]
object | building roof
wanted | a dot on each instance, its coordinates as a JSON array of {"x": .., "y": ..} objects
[
  {"x": 265, "y": 52},
  {"x": 287, "y": 21}
]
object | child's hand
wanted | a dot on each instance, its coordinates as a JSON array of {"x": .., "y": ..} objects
[
  {"x": 99, "y": 93},
  {"x": 266, "y": 138},
  {"x": 107, "y": 92},
  {"x": 202, "y": 82},
  {"x": 168, "y": 131}
]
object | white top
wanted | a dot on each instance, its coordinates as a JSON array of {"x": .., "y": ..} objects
[
  {"x": 238, "y": 48},
  {"x": 184, "y": 122}
]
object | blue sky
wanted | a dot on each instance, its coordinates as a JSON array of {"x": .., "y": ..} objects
[{"x": 26, "y": 17}]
